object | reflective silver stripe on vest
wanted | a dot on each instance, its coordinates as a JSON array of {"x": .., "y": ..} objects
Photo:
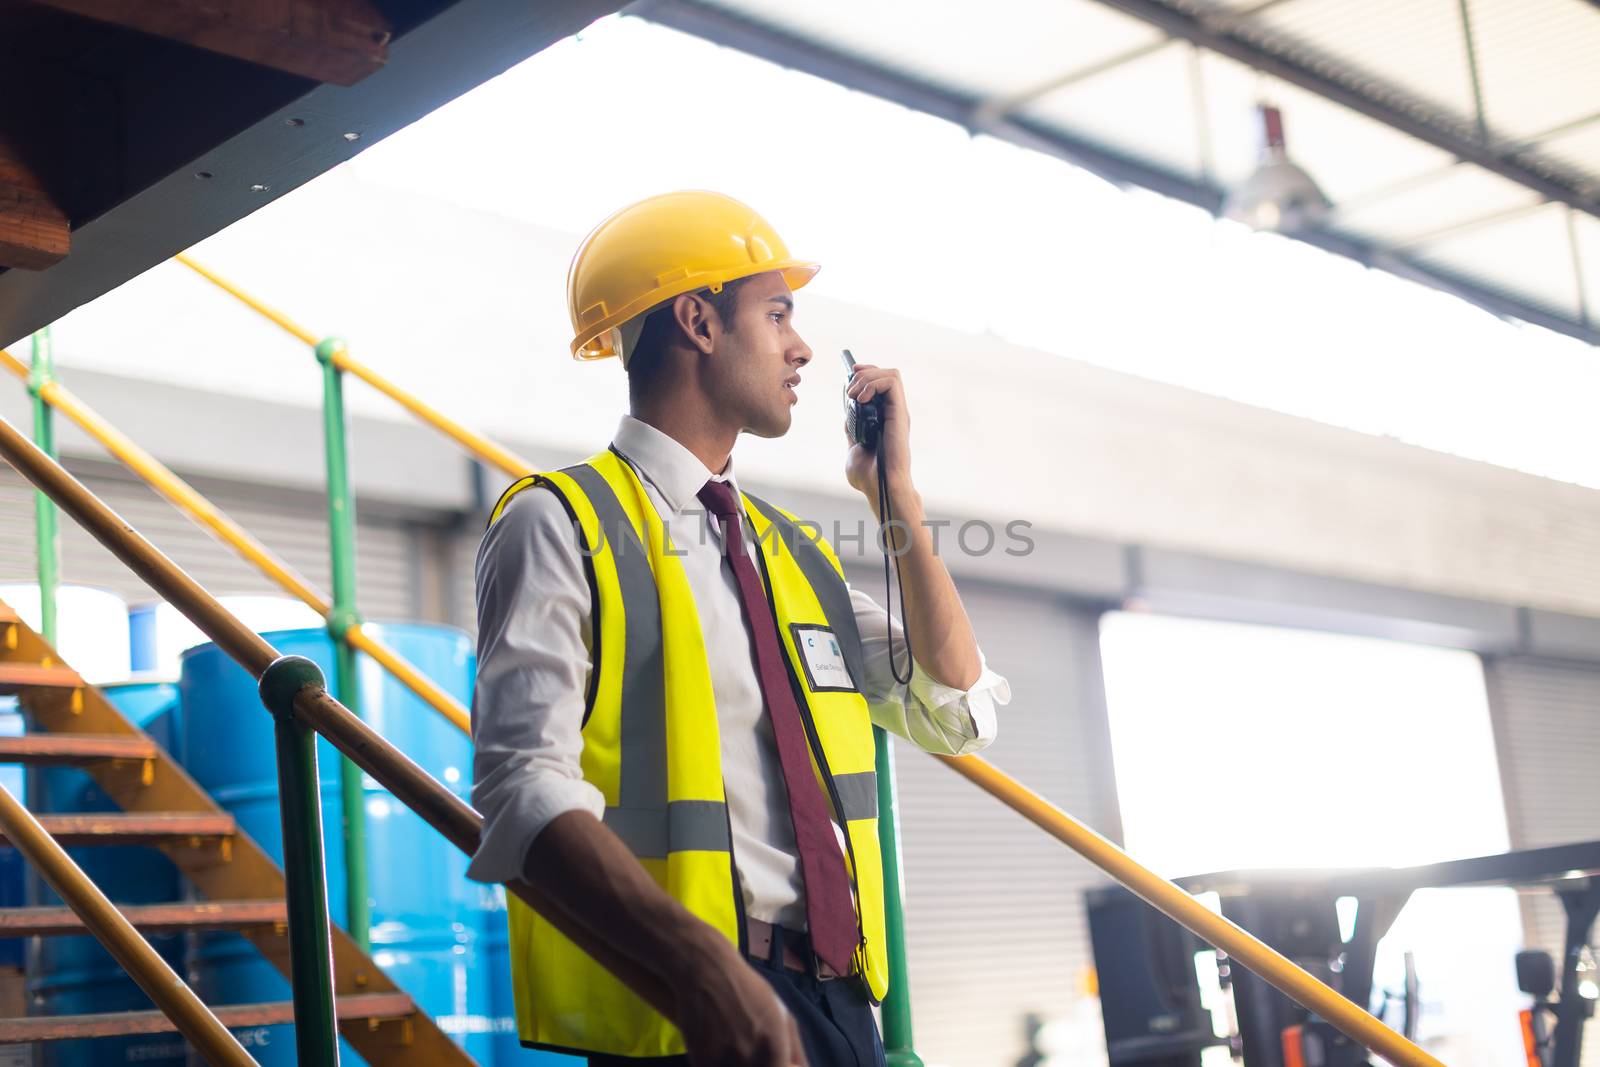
[
  {"x": 832, "y": 593},
  {"x": 642, "y": 771},
  {"x": 685, "y": 826},
  {"x": 646, "y": 822},
  {"x": 858, "y": 795}
]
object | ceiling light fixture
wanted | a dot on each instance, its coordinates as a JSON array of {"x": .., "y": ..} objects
[{"x": 1280, "y": 196}]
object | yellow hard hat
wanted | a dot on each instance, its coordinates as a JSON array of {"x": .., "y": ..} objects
[{"x": 654, "y": 250}]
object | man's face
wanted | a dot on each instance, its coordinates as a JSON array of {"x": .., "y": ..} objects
[{"x": 758, "y": 357}]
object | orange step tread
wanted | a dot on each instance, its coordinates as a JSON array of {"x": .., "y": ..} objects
[
  {"x": 113, "y": 828},
  {"x": 150, "y": 918},
  {"x": 377, "y": 1006},
  {"x": 15, "y": 677},
  {"x": 74, "y": 748}
]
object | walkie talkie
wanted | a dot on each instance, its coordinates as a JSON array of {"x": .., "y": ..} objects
[{"x": 864, "y": 422}]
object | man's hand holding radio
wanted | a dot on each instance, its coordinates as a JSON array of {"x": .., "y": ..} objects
[
  {"x": 936, "y": 623},
  {"x": 894, "y": 445}
]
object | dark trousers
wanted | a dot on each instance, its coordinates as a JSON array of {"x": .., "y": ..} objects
[{"x": 834, "y": 1018}]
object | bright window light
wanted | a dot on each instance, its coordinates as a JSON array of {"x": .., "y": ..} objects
[{"x": 1252, "y": 746}]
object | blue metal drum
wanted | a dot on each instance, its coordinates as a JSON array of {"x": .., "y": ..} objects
[
  {"x": 428, "y": 921},
  {"x": 74, "y": 975},
  {"x": 12, "y": 876},
  {"x": 142, "y": 636},
  {"x": 502, "y": 1006}
]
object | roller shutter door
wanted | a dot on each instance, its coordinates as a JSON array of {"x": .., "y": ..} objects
[{"x": 1547, "y": 732}]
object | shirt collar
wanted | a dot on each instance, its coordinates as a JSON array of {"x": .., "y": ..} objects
[{"x": 676, "y": 473}]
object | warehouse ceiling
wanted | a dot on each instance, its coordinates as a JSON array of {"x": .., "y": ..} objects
[
  {"x": 1458, "y": 140},
  {"x": 130, "y": 131}
]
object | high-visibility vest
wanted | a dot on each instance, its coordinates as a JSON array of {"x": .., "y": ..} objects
[{"x": 651, "y": 746}]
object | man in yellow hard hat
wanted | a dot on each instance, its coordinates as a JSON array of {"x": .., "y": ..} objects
[{"x": 676, "y": 687}]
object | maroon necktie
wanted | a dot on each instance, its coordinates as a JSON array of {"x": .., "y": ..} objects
[{"x": 829, "y": 912}]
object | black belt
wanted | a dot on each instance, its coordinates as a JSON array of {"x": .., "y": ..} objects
[{"x": 796, "y": 954}]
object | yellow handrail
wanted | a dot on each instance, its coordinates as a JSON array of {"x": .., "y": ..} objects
[
  {"x": 249, "y": 301},
  {"x": 1259, "y": 957},
  {"x": 188, "y": 500},
  {"x": 113, "y": 930},
  {"x": 496, "y": 455}
]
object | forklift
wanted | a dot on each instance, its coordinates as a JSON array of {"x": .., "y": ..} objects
[{"x": 1152, "y": 1003}]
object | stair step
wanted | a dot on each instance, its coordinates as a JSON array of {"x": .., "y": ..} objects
[
  {"x": 15, "y": 677},
  {"x": 115, "y": 828},
  {"x": 150, "y": 918},
  {"x": 43, "y": 749},
  {"x": 375, "y": 1006},
  {"x": 228, "y": 870}
]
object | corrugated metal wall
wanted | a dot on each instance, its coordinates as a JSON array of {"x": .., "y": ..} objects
[
  {"x": 994, "y": 906},
  {"x": 292, "y": 525},
  {"x": 1547, "y": 732}
]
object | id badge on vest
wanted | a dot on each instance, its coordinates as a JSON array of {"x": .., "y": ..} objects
[{"x": 822, "y": 658}]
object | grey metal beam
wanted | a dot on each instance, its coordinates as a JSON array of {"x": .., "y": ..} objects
[
  {"x": 1560, "y": 636},
  {"x": 1579, "y": 274},
  {"x": 1480, "y": 115},
  {"x": 1473, "y": 292},
  {"x": 468, "y": 43},
  {"x": 1271, "y": 53},
  {"x": 1182, "y": 583},
  {"x": 1001, "y": 106},
  {"x": 767, "y": 42}
]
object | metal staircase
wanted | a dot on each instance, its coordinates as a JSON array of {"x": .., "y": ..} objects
[{"x": 72, "y": 724}]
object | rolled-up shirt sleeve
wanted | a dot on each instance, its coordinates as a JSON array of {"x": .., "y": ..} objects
[
  {"x": 931, "y": 715},
  {"x": 528, "y": 701}
]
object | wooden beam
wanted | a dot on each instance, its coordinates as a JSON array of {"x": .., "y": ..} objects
[
  {"x": 334, "y": 41},
  {"x": 34, "y": 232}
]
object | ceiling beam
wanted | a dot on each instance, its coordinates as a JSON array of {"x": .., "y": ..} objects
[
  {"x": 1272, "y": 53},
  {"x": 736, "y": 31},
  {"x": 34, "y": 232},
  {"x": 337, "y": 42},
  {"x": 757, "y": 39},
  {"x": 999, "y": 107}
]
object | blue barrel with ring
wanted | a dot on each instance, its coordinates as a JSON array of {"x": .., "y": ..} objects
[{"x": 428, "y": 921}]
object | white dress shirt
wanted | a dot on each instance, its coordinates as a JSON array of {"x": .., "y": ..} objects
[{"x": 534, "y": 662}]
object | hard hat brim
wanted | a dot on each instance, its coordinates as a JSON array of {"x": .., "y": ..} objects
[{"x": 601, "y": 340}]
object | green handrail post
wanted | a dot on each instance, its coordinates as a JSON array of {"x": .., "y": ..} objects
[
  {"x": 46, "y": 523},
  {"x": 897, "y": 1039},
  {"x": 316, "y": 1031},
  {"x": 342, "y": 546}
]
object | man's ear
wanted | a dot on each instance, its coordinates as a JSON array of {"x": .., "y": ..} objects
[{"x": 697, "y": 321}]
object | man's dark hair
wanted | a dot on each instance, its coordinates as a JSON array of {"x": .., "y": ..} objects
[{"x": 644, "y": 364}]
